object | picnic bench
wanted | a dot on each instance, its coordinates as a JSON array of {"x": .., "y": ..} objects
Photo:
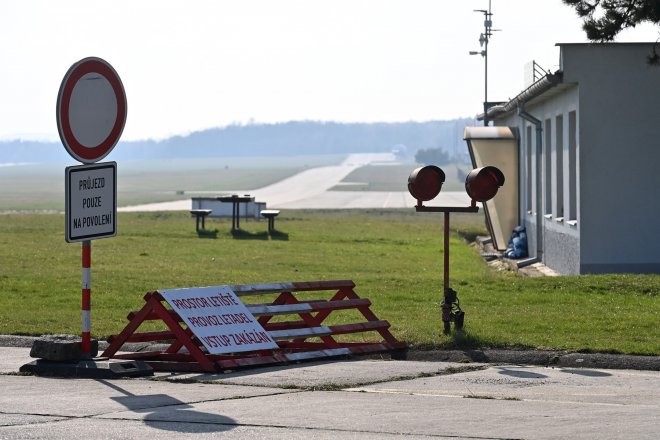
[
  {"x": 270, "y": 214},
  {"x": 199, "y": 214},
  {"x": 236, "y": 200}
]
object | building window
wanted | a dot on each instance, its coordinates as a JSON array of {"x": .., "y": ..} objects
[
  {"x": 559, "y": 166},
  {"x": 547, "y": 156},
  {"x": 572, "y": 165}
]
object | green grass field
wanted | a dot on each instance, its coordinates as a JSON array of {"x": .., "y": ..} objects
[{"x": 394, "y": 257}]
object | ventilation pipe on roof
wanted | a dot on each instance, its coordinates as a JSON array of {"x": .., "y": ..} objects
[{"x": 539, "y": 154}]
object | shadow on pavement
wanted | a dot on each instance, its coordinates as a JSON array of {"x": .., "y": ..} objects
[
  {"x": 522, "y": 374},
  {"x": 588, "y": 373},
  {"x": 170, "y": 414}
]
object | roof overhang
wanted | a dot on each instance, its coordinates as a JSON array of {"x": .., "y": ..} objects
[{"x": 544, "y": 87}]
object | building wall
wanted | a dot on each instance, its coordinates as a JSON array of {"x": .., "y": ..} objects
[
  {"x": 561, "y": 193},
  {"x": 618, "y": 154},
  {"x": 560, "y": 238},
  {"x": 600, "y": 150}
]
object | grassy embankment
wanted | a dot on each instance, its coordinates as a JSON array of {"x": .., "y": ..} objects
[{"x": 395, "y": 258}]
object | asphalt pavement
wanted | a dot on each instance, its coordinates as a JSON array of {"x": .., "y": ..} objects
[
  {"x": 374, "y": 398},
  {"x": 311, "y": 189}
]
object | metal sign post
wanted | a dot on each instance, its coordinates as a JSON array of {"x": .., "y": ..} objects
[
  {"x": 90, "y": 213},
  {"x": 91, "y": 114},
  {"x": 87, "y": 298},
  {"x": 451, "y": 310}
]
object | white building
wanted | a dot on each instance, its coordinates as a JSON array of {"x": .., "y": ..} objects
[{"x": 586, "y": 143}]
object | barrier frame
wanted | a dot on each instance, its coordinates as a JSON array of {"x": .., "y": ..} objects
[{"x": 185, "y": 353}]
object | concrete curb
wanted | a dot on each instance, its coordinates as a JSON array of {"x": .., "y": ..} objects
[
  {"x": 542, "y": 358},
  {"x": 489, "y": 356}
]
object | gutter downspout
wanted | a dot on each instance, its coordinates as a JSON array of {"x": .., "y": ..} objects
[{"x": 539, "y": 151}]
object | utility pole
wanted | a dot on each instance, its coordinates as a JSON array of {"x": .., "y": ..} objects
[{"x": 483, "y": 42}]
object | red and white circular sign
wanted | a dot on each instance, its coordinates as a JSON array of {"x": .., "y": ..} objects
[{"x": 91, "y": 110}]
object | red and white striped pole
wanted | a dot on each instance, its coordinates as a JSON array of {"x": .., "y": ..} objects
[{"x": 86, "y": 299}]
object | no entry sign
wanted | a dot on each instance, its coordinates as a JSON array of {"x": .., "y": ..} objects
[
  {"x": 91, "y": 114},
  {"x": 91, "y": 201},
  {"x": 91, "y": 110},
  {"x": 219, "y": 319}
]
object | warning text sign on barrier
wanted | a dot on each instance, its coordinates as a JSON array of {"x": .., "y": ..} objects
[{"x": 219, "y": 319}]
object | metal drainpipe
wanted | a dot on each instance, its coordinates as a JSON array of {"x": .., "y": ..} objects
[{"x": 539, "y": 208}]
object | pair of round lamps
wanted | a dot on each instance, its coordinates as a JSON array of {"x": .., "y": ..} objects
[{"x": 481, "y": 184}]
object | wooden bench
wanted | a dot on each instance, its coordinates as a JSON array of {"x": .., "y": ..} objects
[
  {"x": 270, "y": 214},
  {"x": 199, "y": 213}
]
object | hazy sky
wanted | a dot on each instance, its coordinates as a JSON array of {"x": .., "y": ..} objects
[{"x": 190, "y": 65}]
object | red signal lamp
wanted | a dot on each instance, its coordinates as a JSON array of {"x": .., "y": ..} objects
[
  {"x": 425, "y": 183},
  {"x": 482, "y": 184}
]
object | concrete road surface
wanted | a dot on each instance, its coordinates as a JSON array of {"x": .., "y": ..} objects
[
  {"x": 309, "y": 189},
  {"x": 354, "y": 399}
]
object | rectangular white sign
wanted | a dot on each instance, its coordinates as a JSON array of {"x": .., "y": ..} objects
[
  {"x": 91, "y": 201},
  {"x": 219, "y": 319}
]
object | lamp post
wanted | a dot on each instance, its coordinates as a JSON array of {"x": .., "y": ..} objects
[
  {"x": 483, "y": 42},
  {"x": 424, "y": 184}
]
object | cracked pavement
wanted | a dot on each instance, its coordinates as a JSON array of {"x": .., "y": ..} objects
[{"x": 358, "y": 399}]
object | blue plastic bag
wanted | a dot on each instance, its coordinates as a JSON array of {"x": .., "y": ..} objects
[{"x": 517, "y": 245}]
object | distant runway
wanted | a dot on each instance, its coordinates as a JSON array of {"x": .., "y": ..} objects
[{"x": 310, "y": 189}]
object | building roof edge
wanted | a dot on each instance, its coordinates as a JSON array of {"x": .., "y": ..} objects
[{"x": 538, "y": 88}]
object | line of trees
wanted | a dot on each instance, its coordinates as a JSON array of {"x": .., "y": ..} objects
[
  {"x": 282, "y": 139},
  {"x": 432, "y": 156}
]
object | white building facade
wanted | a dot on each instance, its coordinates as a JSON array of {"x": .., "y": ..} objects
[{"x": 589, "y": 158}]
